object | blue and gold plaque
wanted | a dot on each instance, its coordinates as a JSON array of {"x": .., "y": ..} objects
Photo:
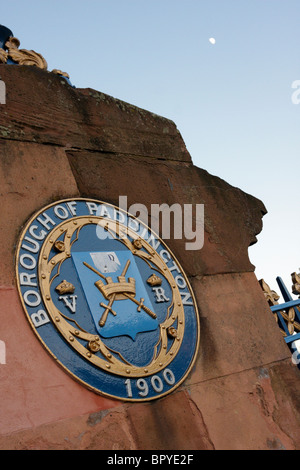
[{"x": 107, "y": 299}]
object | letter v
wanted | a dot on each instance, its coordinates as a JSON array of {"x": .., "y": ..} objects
[{"x": 70, "y": 305}]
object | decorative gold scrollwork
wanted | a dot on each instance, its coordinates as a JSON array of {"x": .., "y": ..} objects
[
  {"x": 296, "y": 283},
  {"x": 22, "y": 56},
  {"x": 62, "y": 74},
  {"x": 271, "y": 296},
  {"x": 163, "y": 354},
  {"x": 25, "y": 57},
  {"x": 288, "y": 315},
  {"x": 3, "y": 56}
]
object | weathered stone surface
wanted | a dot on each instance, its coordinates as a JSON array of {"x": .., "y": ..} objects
[
  {"x": 103, "y": 430},
  {"x": 284, "y": 380},
  {"x": 169, "y": 424},
  {"x": 247, "y": 411},
  {"x": 30, "y": 178},
  {"x": 232, "y": 217},
  {"x": 250, "y": 410},
  {"x": 238, "y": 330},
  {"x": 34, "y": 390},
  {"x": 58, "y": 142},
  {"x": 41, "y": 107}
]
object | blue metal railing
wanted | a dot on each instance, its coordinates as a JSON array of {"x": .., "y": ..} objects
[{"x": 288, "y": 304}]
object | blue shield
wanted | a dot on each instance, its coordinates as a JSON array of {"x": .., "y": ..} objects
[{"x": 119, "y": 303}]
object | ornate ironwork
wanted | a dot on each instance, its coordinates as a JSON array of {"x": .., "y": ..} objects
[
  {"x": 271, "y": 296},
  {"x": 22, "y": 56},
  {"x": 11, "y": 54},
  {"x": 296, "y": 284},
  {"x": 286, "y": 314}
]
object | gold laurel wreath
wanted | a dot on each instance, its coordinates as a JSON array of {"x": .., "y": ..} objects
[{"x": 109, "y": 360}]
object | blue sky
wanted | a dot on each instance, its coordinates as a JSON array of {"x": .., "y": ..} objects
[{"x": 231, "y": 101}]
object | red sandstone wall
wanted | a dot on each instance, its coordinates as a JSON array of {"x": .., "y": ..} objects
[{"x": 58, "y": 142}]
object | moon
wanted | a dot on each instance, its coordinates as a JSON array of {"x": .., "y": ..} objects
[{"x": 212, "y": 40}]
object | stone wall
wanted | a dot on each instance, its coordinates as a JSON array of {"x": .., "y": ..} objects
[{"x": 60, "y": 142}]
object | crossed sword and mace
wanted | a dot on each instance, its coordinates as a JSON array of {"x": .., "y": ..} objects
[{"x": 117, "y": 291}]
